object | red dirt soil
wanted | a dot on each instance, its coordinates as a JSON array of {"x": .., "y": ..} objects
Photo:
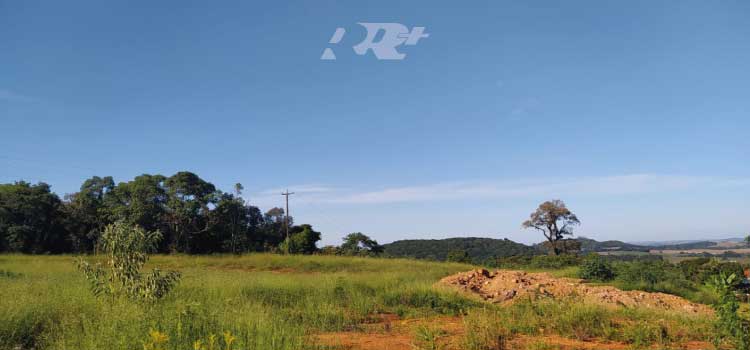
[
  {"x": 504, "y": 286},
  {"x": 391, "y": 333}
]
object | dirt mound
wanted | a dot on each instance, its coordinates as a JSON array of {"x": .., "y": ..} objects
[{"x": 505, "y": 286}]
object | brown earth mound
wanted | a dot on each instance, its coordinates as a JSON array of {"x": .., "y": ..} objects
[{"x": 505, "y": 286}]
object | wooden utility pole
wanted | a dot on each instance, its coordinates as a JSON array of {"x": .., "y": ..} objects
[{"x": 286, "y": 218}]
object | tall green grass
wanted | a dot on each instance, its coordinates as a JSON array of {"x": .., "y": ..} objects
[
  {"x": 574, "y": 319},
  {"x": 266, "y": 301},
  {"x": 276, "y": 302}
]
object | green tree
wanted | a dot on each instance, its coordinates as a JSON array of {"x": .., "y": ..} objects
[
  {"x": 235, "y": 227},
  {"x": 86, "y": 213},
  {"x": 31, "y": 219},
  {"x": 459, "y": 256},
  {"x": 302, "y": 240},
  {"x": 747, "y": 240},
  {"x": 729, "y": 325},
  {"x": 127, "y": 249},
  {"x": 564, "y": 246},
  {"x": 187, "y": 208},
  {"x": 594, "y": 268},
  {"x": 236, "y": 216},
  {"x": 140, "y": 202},
  {"x": 703, "y": 270},
  {"x": 273, "y": 230},
  {"x": 193, "y": 215},
  {"x": 554, "y": 220},
  {"x": 357, "y": 243}
]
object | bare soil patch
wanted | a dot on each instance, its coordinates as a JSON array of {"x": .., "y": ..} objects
[
  {"x": 397, "y": 334},
  {"x": 505, "y": 286}
]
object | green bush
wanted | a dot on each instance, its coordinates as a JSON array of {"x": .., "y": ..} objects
[
  {"x": 729, "y": 325},
  {"x": 539, "y": 261},
  {"x": 647, "y": 272},
  {"x": 702, "y": 270},
  {"x": 127, "y": 249},
  {"x": 595, "y": 268},
  {"x": 459, "y": 256}
]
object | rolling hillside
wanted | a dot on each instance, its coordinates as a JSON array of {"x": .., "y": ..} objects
[{"x": 479, "y": 249}]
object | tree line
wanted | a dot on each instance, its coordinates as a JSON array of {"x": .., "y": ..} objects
[{"x": 191, "y": 214}]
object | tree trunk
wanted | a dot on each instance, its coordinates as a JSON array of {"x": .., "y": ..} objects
[{"x": 553, "y": 245}]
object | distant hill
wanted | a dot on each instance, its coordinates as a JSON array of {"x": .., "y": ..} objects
[
  {"x": 691, "y": 245},
  {"x": 479, "y": 249},
  {"x": 686, "y": 241},
  {"x": 590, "y": 245}
]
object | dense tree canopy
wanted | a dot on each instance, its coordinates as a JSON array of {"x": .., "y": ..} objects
[
  {"x": 30, "y": 219},
  {"x": 192, "y": 215},
  {"x": 84, "y": 212},
  {"x": 459, "y": 256},
  {"x": 479, "y": 250},
  {"x": 301, "y": 240},
  {"x": 358, "y": 243}
]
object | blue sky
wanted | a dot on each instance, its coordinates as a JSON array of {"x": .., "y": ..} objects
[{"x": 635, "y": 113}]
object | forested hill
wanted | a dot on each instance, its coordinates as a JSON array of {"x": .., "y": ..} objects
[
  {"x": 590, "y": 245},
  {"x": 478, "y": 249}
]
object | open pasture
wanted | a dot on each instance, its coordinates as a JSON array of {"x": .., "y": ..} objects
[{"x": 264, "y": 301}]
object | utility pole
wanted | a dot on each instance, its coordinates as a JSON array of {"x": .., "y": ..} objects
[{"x": 286, "y": 218}]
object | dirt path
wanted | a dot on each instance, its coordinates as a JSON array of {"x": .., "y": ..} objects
[
  {"x": 504, "y": 286},
  {"x": 391, "y": 333},
  {"x": 388, "y": 332}
]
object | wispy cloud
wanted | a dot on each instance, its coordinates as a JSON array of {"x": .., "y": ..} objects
[
  {"x": 9, "y": 95},
  {"x": 303, "y": 194},
  {"x": 590, "y": 186},
  {"x": 523, "y": 107},
  {"x": 299, "y": 189}
]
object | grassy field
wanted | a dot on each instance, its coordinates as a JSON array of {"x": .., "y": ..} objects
[{"x": 269, "y": 301}]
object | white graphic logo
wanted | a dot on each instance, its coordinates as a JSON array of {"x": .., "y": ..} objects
[{"x": 394, "y": 35}]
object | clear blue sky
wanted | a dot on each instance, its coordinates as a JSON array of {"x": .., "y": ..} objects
[{"x": 636, "y": 113}]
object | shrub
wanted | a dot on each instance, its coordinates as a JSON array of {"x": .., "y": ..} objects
[
  {"x": 127, "y": 249},
  {"x": 539, "y": 261},
  {"x": 729, "y": 325},
  {"x": 459, "y": 256},
  {"x": 596, "y": 269},
  {"x": 648, "y": 272},
  {"x": 703, "y": 270}
]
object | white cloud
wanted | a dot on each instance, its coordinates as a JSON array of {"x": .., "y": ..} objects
[
  {"x": 545, "y": 188},
  {"x": 9, "y": 95},
  {"x": 299, "y": 189},
  {"x": 524, "y": 107},
  {"x": 303, "y": 194},
  {"x": 399, "y": 212}
]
